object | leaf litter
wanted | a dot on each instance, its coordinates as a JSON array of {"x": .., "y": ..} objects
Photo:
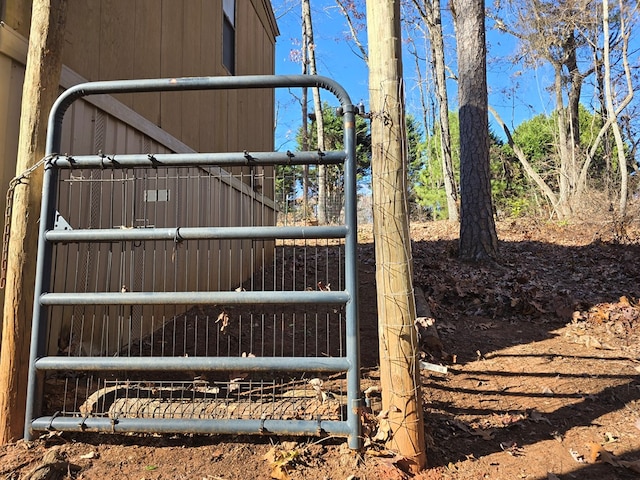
[{"x": 557, "y": 331}]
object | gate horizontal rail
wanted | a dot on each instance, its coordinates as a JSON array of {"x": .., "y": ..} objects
[
  {"x": 261, "y": 364},
  {"x": 234, "y": 159},
  {"x": 199, "y": 426},
  {"x": 197, "y": 298},
  {"x": 193, "y": 233}
]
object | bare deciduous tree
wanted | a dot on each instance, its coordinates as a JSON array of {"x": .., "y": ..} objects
[
  {"x": 430, "y": 13},
  {"x": 317, "y": 105}
]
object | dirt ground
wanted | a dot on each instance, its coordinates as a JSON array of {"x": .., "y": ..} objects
[{"x": 543, "y": 380}]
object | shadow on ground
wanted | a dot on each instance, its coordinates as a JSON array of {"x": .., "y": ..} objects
[{"x": 545, "y": 346}]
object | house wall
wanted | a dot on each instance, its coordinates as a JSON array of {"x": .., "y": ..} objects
[
  {"x": 116, "y": 39},
  {"x": 110, "y": 39}
]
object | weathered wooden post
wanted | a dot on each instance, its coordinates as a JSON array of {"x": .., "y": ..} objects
[
  {"x": 41, "y": 84},
  {"x": 399, "y": 366}
]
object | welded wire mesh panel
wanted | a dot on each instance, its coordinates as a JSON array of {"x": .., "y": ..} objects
[
  {"x": 282, "y": 398},
  {"x": 188, "y": 197},
  {"x": 296, "y": 208}
]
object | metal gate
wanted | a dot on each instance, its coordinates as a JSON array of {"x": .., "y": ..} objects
[{"x": 157, "y": 311}]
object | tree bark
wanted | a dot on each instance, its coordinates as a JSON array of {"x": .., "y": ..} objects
[
  {"x": 611, "y": 111},
  {"x": 305, "y": 125},
  {"x": 433, "y": 19},
  {"x": 522, "y": 157},
  {"x": 317, "y": 106},
  {"x": 399, "y": 367},
  {"x": 478, "y": 238},
  {"x": 42, "y": 80}
]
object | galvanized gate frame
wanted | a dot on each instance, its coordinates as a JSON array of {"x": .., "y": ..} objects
[{"x": 40, "y": 364}]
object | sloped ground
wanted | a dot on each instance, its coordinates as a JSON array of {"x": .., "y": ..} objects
[{"x": 543, "y": 382}]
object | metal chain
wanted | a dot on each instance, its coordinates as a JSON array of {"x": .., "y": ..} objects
[{"x": 7, "y": 216}]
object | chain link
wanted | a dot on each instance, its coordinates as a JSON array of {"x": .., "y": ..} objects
[{"x": 6, "y": 234}]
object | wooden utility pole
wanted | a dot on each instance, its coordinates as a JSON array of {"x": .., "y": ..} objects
[
  {"x": 41, "y": 84},
  {"x": 399, "y": 363}
]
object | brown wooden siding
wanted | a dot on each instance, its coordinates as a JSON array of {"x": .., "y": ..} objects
[
  {"x": 114, "y": 39},
  {"x": 117, "y": 39}
]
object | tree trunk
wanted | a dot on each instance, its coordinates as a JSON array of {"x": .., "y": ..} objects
[
  {"x": 564, "y": 150},
  {"x": 317, "y": 106},
  {"x": 478, "y": 238},
  {"x": 399, "y": 367},
  {"x": 611, "y": 112},
  {"x": 610, "y": 119},
  {"x": 42, "y": 80},
  {"x": 305, "y": 125},
  {"x": 437, "y": 51},
  {"x": 522, "y": 157}
]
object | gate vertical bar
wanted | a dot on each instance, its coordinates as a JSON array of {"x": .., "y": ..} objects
[
  {"x": 43, "y": 268},
  {"x": 351, "y": 277}
]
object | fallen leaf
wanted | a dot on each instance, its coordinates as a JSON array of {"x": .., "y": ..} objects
[
  {"x": 316, "y": 384},
  {"x": 383, "y": 431},
  {"x": 478, "y": 432},
  {"x": 281, "y": 458},
  {"x": 576, "y": 456},
  {"x": 217, "y": 454},
  {"x": 511, "y": 448},
  {"x": 611, "y": 459},
  {"x": 594, "y": 452},
  {"x": 279, "y": 473},
  {"x": 224, "y": 318},
  {"x": 589, "y": 341},
  {"x": 89, "y": 456},
  {"x": 538, "y": 417},
  {"x": 607, "y": 456}
]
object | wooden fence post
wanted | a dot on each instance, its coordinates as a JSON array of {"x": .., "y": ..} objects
[
  {"x": 399, "y": 363},
  {"x": 41, "y": 84}
]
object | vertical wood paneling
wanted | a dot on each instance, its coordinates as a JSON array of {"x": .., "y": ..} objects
[
  {"x": 150, "y": 38},
  {"x": 109, "y": 39},
  {"x": 18, "y": 16},
  {"x": 209, "y": 61},
  {"x": 146, "y": 46},
  {"x": 171, "y": 65},
  {"x": 83, "y": 37},
  {"x": 81, "y": 129},
  {"x": 117, "y": 38},
  {"x": 193, "y": 24},
  {"x": 11, "y": 78}
]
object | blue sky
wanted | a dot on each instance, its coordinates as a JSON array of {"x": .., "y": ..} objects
[{"x": 336, "y": 59}]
